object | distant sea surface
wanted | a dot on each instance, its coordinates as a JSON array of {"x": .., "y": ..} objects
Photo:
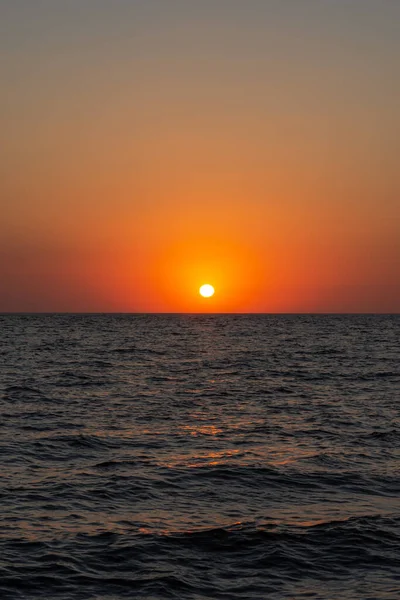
[{"x": 199, "y": 457}]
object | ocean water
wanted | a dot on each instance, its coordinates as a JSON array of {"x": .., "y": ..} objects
[{"x": 199, "y": 457}]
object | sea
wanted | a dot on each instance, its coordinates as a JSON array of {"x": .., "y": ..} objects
[{"x": 232, "y": 457}]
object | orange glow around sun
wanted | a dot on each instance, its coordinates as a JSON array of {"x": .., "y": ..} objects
[{"x": 196, "y": 275}]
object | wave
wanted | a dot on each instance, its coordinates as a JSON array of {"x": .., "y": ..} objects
[{"x": 239, "y": 561}]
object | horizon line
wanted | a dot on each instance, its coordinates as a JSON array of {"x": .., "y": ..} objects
[{"x": 165, "y": 313}]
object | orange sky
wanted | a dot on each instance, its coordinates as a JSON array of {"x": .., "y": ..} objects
[{"x": 149, "y": 149}]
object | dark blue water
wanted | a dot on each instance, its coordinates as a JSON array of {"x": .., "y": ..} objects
[{"x": 199, "y": 457}]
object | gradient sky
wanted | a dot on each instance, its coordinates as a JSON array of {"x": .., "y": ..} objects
[{"x": 150, "y": 146}]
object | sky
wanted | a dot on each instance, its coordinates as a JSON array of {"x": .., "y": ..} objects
[{"x": 150, "y": 146}]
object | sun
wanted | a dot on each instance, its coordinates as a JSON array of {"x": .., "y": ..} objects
[{"x": 207, "y": 290}]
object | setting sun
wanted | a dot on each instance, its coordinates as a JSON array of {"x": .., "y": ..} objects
[{"x": 207, "y": 290}]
